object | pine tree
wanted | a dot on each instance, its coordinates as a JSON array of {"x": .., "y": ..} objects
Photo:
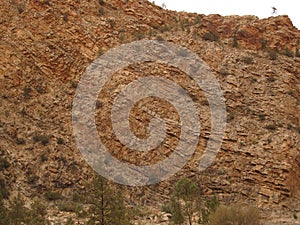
[
  {"x": 185, "y": 201},
  {"x": 106, "y": 207}
]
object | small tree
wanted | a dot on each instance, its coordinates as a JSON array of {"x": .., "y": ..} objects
[
  {"x": 235, "y": 42},
  {"x": 106, "y": 207},
  {"x": 211, "y": 206},
  {"x": 185, "y": 201}
]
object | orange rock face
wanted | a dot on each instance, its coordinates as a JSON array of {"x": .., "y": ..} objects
[{"x": 46, "y": 47}]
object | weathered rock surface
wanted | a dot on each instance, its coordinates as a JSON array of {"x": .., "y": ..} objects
[{"x": 46, "y": 47}]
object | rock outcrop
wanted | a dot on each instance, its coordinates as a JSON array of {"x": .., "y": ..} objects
[{"x": 46, "y": 46}]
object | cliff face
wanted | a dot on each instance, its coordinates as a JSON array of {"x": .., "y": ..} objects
[{"x": 47, "y": 45}]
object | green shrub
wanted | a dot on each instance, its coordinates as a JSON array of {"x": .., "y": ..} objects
[
  {"x": 188, "y": 30},
  {"x": 271, "y": 79},
  {"x": 139, "y": 35},
  {"x": 101, "y": 2},
  {"x": 32, "y": 179},
  {"x": 273, "y": 55},
  {"x": 20, "y": 141},
  {"x": 211, "y": 36},
  {"x": 3, "y": 212},
  {"x": 4, "y": 164},
  {"x": 182, "y": 26},
  {"x": 47, "y": 2},
  {"x": 270, "y": 127},
  {"x": 121, "y": 39},
  {"x": 167, "y": 208},
  {"x": 3, "y": 191},
  {"x": 43, "y": 139},
  {"x": 17, "y": 213},
  {"x": 74, "y": 84},
  {"x": 195, "y": 33},
  {"x": 101, "y": 11},
  {"x": 26, "y": 92},
  {"x": 235, "y": 215},
  {"x": 297, "y": 53},
  {"x": 77, "y": 197},
  {"x": 65, "y": 17},
  {"x": 164, "y": 28},
  {"x": 247, "y": 60},
  {"x": 37, "y": 214},
  {"x": 263, "y": 44},
  {"x": 150, "y": 33},
  {"x": 43, "y": 157},
  {"x": 262, "y": 117},
  {"x": 70, "y": 222},
  {"x": 21, "y": 8},
  {"x": 224, "y": 72},
  {"x": 288, "y": 53},
  {"x": 69, "y": 206},
  {"x": 53, "y": 195},
  {"x": 235, "y": 42},
  {"x": 159, "y": 38},
  {"x": 112, "y": 23},
  {"x": 138, "y": 211},
  {"x": 197, "y": 20},
  {"x": 60, "y": 141},
  {"x": 39, "y": 208}
]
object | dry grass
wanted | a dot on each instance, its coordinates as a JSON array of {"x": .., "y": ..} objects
[{"x": 235, "y": 214}]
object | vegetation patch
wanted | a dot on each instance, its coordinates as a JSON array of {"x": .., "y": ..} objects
[
  {"x": 235, "y": 214},
  {"x": 53, "y": 195},
  {"x": 247, "y": 60},
  {"x": 43, "y": 139},
  {"x": 4, "y": 164},
  {"x": 288, "y": 53},
  {"x": 235, "y": 43},
  {"x": 271, "y": 127},
  {"x": 211, "y": 36},
  {"x": 273, "y": 55},
  {"x": 3, "y": 191}
]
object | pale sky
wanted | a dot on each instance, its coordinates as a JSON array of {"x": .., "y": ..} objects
[{"x": 260, "y": 8}]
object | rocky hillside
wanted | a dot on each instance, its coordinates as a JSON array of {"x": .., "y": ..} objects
[{"x": 46, "y": 46}]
